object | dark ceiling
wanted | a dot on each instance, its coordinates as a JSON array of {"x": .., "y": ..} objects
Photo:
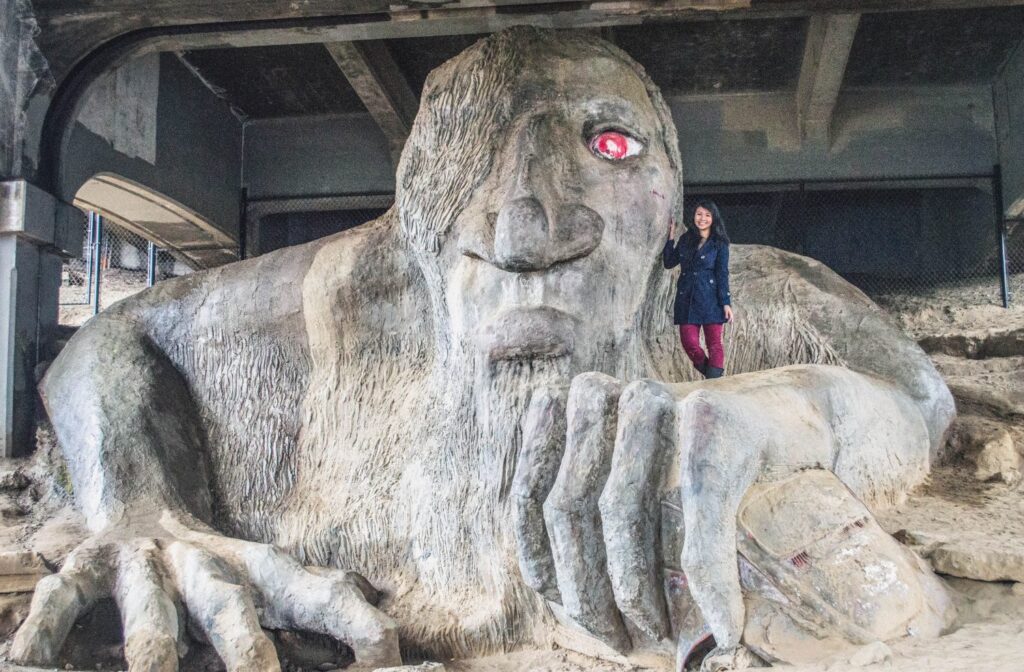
[
  {"x": 948, "y": 47},
  {"x": 709, "y": 56},
  {"x": 911, "y": 48},
  {"x": 284, "y": 81}
]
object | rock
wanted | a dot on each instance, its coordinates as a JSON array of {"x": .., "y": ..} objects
[
  {"x": 988, "y": 447},
  {"x": 1003, "y": 402},
  {"x": 20, "y": 571},
  {"x": 13, "y": 610},
  {"x": 312, "y": 652},
  {"x": 998, "y": 460},
  {"x": 990, "y": 387},
  {"x": 979, "y": 344},
  {"x": 1018, "y": 589},
  {"x": 21, "y": 562},
  {"x": 12, "y": 478},
  {"x": 19, "y": 583},
  {"x": 871, "y": 654},
  {"x": 723, "y": 660},
  {"x": 972, "y": 562},
  {"x": 424, "y": 667},
  {"x": 924, "y": 541},
  {"x": 979, "y": 601},
  {"x": 10, "y": 507}
]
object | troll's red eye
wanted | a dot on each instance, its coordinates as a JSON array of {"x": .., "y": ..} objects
[{"x": 615, "y": 145}]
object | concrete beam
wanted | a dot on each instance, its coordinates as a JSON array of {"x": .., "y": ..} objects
[
  {"x": 380, "y": 84},
  {"x": 457, "y": 19},
  {"x": 36, "y": 217},
  {"x": 170, "y": 225},
  {"x": 826, "y": 51},
  {"x": 472, "y": 17}
]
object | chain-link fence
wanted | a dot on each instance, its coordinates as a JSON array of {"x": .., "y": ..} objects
[
  {"x": 115, "y": 264},
  {"x": 889, "y": 239}
]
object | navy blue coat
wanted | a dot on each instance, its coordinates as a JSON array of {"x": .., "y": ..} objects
[{"x": 703, "y": 286}]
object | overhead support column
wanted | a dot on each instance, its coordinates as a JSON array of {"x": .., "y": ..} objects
[
  {"x": 35, "y": 230},
  {"x": 826, "y": 51},
  {"x": 380, "y": 84}
]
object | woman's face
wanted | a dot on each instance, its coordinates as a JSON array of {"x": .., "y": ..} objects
[{"x": 702, "y": 219}]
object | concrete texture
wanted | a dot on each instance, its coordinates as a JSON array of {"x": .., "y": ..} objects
[
  {"x": 885, "y": 133},
  {"x": 10, "y": 33},
  {"x": 24, "y": 72},
  {"x": 357, "y": 402},
  {"x": 719, "y": 56},
  {"x": 278, "y": 81},
  {"x": 121, "y": 107},
  {"x": 169, "y": 225},
  {"x": 933, "y": 47},
  {"x": 317, "y": 156},
  {"x": 197, "y": 153}
]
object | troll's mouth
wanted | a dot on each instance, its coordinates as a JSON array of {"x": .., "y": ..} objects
[{"x": 527, "y": 333}]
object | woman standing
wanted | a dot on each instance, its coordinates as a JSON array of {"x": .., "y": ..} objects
[{"x": 702, "y": 291}]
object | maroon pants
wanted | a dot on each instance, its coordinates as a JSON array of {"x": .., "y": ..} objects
[{"x": 689, "y": 334}]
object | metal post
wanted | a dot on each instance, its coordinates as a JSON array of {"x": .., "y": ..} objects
[
  {"x": 90, "y": 232},
  {"x": 243, "y": 223},
  {"x": 802, "y": 219},
  {"x": 96, "y": 262},
  {"x": 997, "y": 197},
  {"x": 151, "y": 266}
]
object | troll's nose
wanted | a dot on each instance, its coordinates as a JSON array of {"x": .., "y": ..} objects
[{"x": 526, "y": 240}]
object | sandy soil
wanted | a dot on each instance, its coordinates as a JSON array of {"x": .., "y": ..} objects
[
  {"x": 558, "y": 660},
  {"x": 955, "y": 514},
  {"x": 964, "y": 307}
]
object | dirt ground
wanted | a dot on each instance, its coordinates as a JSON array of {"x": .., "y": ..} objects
[{"x": 968, "y": 521}]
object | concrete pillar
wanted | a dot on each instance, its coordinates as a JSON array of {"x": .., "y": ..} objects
[{"x": 35, "y": 230}]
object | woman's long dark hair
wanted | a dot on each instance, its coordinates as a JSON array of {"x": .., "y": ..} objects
[{"x": 718, "y": 232}]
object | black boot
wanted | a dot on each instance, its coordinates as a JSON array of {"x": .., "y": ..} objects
[
  {"x": 713, "y": 372},
  {"x": 703, "y": 368}
]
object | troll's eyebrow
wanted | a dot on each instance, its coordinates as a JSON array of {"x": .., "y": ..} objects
[{"x": 611, "y": 110}]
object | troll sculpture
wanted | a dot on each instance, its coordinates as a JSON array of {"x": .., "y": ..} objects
[{"x": 477, "y": 402}]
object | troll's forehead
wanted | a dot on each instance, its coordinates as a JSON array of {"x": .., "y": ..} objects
[{"x": 470, "y": 102}]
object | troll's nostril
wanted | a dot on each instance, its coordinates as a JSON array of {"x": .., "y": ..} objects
[
  {"x": 577, "y": 231},
  {"x": 578, "y": 222}
]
